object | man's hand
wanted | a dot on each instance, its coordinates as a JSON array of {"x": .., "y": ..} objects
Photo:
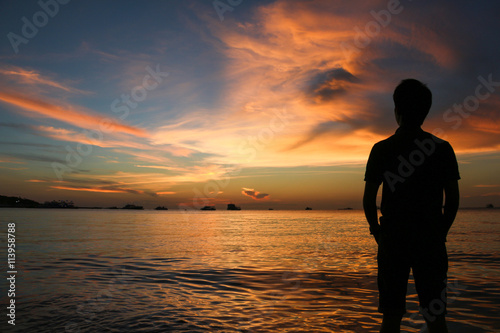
[
  {"x": 370, "y": 207},
  {"x": 451, "y": 202},
  {"x": 375, "y": 232}
]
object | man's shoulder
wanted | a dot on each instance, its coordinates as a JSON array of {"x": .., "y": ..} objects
[
  {"x": 385, "y": 142},
  {"x": 422, "y": 135},
  {"x": 435, "y": 139},
  {"x": 396, "y": 142}
]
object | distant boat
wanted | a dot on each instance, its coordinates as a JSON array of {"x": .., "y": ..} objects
[
  {"x": 130, "y": 206},
  {"x": 232, "y": 206},
  {"x": 271, "y": 208},
  {"x": 161, "y": 208},
  {"x": 347, "y": 208},
  {"x": 208, "y": 208},
  {"x": 309, "y": 208}
]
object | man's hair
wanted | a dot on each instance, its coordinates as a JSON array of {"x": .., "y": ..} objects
[{"x": 413, "y": 101}]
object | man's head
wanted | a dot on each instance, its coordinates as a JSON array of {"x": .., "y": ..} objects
[{"x": 412, "y": 101}]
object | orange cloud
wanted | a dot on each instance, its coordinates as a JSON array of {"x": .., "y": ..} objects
[
  {"x": 256, "y": 195},
  {"x": 151, "y": 183},
  {"x": 113, "y": 140},
  {"x": 98, "y": 189},
  {"x": 109, "y": 140},
  {"x": 291, "y": 56},
  {"x": 485, "y": 124},
  {"x": 146, "y": 156},
  {"x": 166, "y": 193},
  {"x": 32, "y": 77},
  {"x": 73, "y": 115}
]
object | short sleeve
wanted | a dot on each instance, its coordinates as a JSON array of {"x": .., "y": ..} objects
[
  {"x": 450, "y": 163},
  {"x": 374, "y": 166}
]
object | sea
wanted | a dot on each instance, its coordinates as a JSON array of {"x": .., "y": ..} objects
[{"x": 79, "y": 270}]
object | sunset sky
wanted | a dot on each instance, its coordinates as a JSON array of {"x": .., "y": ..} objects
[{"x": 261, "y": 103}]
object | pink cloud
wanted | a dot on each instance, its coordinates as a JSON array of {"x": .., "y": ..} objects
[
  {"x": 256, "y": 195},
  {"x": 166, "y": 193},
  {"x": 71, "y": 114},
  {"x": 32, "y": 77},
  {"x": 98, "y": 189}
]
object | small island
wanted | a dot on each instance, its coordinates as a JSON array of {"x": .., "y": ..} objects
[
  {"x": 18, "y": 202},
  {"x": 232, "y": 206},
  {"x": 130, "y": 206}
]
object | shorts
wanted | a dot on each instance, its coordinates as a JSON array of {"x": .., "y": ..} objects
[{"x": 425, "y": 254}]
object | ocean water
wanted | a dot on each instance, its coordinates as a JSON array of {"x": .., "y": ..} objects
[{"x": 226, "y": 271}]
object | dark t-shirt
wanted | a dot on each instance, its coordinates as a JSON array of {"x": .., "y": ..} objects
[{"x": 413, "y": 166}]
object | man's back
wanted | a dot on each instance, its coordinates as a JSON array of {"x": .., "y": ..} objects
[{"x": 413, "y": 166}]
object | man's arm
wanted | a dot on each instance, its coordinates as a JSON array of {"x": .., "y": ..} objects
[
  {"x": 370, "y": 206},
  {"x": 451, "y": 202}
]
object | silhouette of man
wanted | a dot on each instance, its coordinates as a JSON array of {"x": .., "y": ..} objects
[{"x": 415, "y": 168}]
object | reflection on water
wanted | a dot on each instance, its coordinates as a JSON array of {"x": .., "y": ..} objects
[{"x": 255, "y": 271}]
